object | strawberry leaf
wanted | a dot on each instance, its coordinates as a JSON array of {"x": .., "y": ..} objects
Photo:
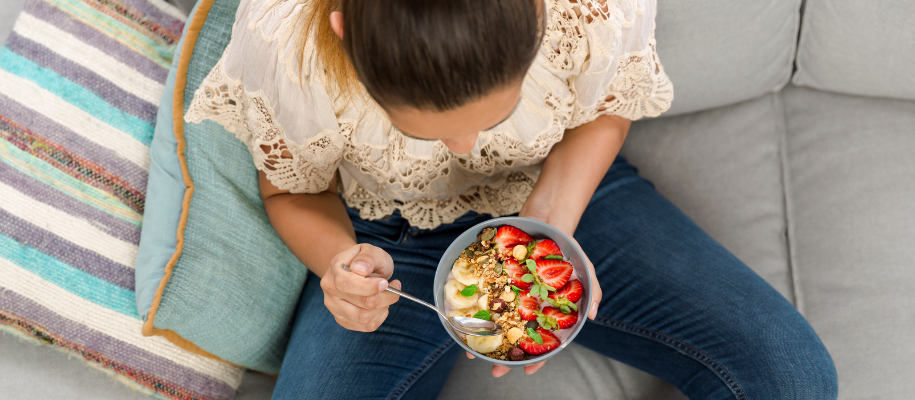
[
  {"x": 573, "y": 306},
  {"x": 484, "y": 315},
  {"x": 534, "y": 335},
  {"x": 531, "y": 265},
  {"x": 535, "y": 291},
  {"x": 565, "y": 310},
  {"x": 550, "y": 288},
  {"x": 553, "y": 257},
  {"x": 543, "y": 292},
  {"x": 552, "y": 302},
  {"x": 527, "y": 278},
  {"x": 469, "y": 290}
]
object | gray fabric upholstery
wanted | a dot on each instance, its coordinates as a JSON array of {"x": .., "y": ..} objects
[
  {"x": 722, "y": 168},
  {"x": 858, "y": 47},
  {"x": 31, "y": 371},
  {"x": 184, "y": 5},
  {"x": 720, "y": 52},
  {"x": 9, "y": 10},
  {"x": 852, "y": 192}
]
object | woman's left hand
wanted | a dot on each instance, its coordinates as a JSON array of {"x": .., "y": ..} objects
[{"x": 596, "y": 294}]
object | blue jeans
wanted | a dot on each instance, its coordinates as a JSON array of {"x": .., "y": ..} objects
[{"x": 675, "y": 304}]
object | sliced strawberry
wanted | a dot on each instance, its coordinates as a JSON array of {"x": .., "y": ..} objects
[
  {"x": 515, "y": 272},
  {"x": 572, "y": 292},
  {"x": 545, "y": 248},
  {"x": 528, "y": 307},
  {"x": 550, "y": 342},
  {"x": 554, "y": 273},
  {"x": 507, "y": 237},
  {"x": 562, "y": 320}
]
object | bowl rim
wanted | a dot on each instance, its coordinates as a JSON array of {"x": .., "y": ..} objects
[{"x": 439, "y": 283}]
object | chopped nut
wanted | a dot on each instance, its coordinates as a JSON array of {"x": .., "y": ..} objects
[
  {"x": 516, "y": 354},
  {"x": 514, "y": 334},
  {"x": 508, "y": 296},
  {"x": 519, "y": 252},
  {"x": 497, "y": 305}
]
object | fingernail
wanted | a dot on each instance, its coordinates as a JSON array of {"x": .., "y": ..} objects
[
  {"x": 382, "y": 285},
  {"x": 360, "y": 267}
]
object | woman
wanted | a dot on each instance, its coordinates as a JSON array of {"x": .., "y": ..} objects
[{"x": 382, "y": 129}]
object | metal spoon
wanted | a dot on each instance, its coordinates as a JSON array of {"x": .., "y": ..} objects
[{"x": 466, "y": 325}]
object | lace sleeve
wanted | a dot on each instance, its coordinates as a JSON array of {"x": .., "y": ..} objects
[
  {"x": 256, "y": 92},
  {"x": 622, "y": 75}
]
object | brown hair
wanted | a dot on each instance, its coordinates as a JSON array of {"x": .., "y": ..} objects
[{"x": 428, "y": 54}]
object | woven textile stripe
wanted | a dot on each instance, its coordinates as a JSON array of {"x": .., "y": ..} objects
[{"x": 80, "y": 82}]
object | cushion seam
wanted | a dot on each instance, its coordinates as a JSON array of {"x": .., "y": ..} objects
[{"x": 782, "y": 132}]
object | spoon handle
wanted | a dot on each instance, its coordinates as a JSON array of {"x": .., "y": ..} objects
[{"x": 404, "y": 295}]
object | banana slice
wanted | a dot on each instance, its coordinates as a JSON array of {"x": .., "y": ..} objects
[
  {"x": 483, "y": 303},
  {"x": 484, "y": 344},
  {"x": 456, "y": 299},
  {"x": 462, "y": 271},
  {"x": 463, "y": 312}
]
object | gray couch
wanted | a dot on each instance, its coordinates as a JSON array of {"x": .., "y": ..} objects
[{"x": 791, "y": 141}]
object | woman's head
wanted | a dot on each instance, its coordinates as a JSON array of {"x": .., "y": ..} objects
[{"x": 441, "y": 69}]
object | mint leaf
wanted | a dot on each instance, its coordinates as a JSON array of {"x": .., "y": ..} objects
[
  {"x": 484, "y": 332},
  {"x": 550, "y": 288},
  {"x": 516, "y": 289},
  {"x": 543, "y": 292},
  {"x": 531, "y": 265},
  {"x": 527, "y": 278},
  {"x": 534, "y": 335},
  {"x": 484, "y": 315},
  {"x": 469, "y": 290},
  {"x": 553, "y": 257},
  {"x": 565, "y": 309}
]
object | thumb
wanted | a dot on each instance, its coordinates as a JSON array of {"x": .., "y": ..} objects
[{"x": 372, "y": 261}]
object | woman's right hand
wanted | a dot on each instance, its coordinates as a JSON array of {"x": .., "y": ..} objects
[{"x": 357, "y": 298}]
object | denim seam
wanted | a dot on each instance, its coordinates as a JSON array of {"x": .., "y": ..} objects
[
  {"x": 419, "y": 371},
  {"x": 697, "y": 355}
]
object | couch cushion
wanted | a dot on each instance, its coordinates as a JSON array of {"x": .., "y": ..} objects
[
  {"x": 858, "y": 47},
  {"x": 852, "y": 194},
  {"x": 723, "y": 168},
  {"x": 230, "y": 286},
  {"x": 720, "y": 52}
]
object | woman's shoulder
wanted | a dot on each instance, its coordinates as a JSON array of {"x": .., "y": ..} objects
[
  {"x": 605, "y": 27},
  {"x": 272, "y": 32}
]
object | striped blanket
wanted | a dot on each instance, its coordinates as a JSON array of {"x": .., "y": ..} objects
[{"x": 80, "y": 82}]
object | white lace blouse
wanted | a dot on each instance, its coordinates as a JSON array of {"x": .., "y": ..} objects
[{"x": 598, "y": 57}]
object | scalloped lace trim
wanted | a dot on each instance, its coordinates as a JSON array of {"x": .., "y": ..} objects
[
  {"x": 299, "y": 169},
  {"x": 501, "y": 198},
  {"x": 640, "y": 89}
]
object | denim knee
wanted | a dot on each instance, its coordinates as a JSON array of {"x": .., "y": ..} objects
[{"x": 802, "y": 370}]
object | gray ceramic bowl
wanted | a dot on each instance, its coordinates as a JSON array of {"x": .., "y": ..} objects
[{"x": 539, "y": 230}]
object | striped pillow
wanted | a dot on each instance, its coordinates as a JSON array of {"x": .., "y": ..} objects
[{"x": 80, "y": 81}]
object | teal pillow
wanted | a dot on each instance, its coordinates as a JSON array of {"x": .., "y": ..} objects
[{"x": 223, "y": 284}]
